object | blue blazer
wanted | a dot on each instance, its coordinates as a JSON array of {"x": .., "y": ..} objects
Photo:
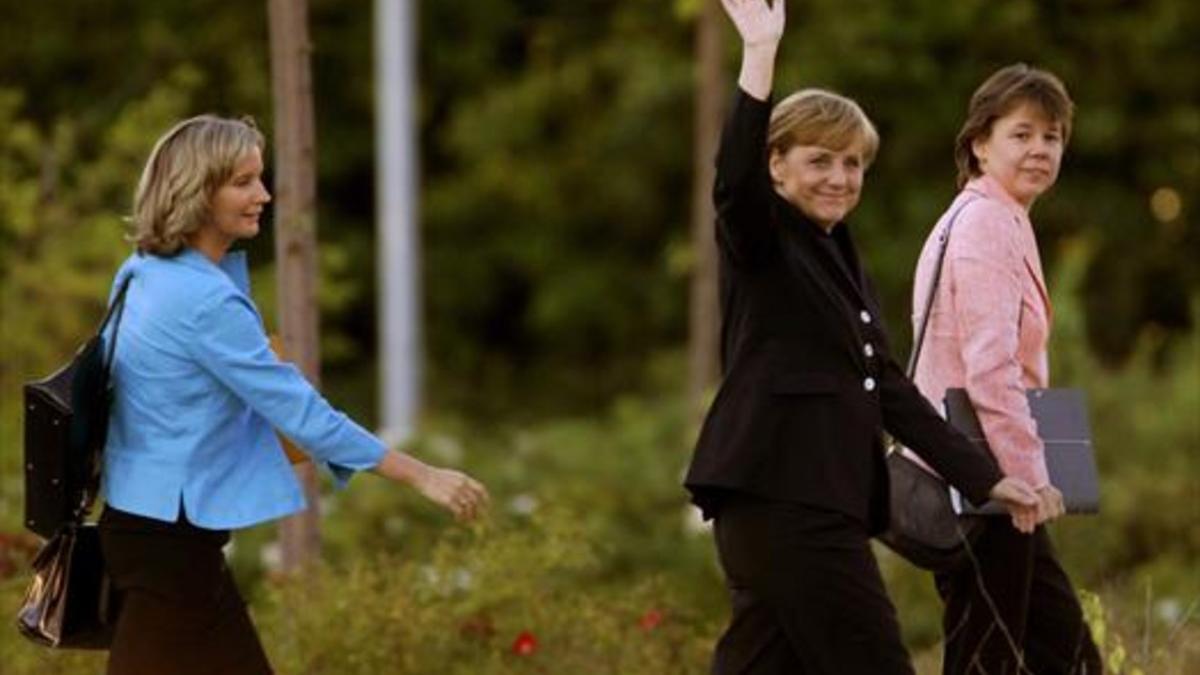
[{"x": 198, "y": 397}]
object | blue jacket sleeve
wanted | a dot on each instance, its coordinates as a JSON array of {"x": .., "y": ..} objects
[{"x": 229, "y": 342}]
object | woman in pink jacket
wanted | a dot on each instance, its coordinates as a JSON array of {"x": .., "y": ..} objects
[{"x": 988, "y": 329}]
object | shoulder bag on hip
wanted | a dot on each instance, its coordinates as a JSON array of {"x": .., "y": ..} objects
[{"x": 69, "y": 602}]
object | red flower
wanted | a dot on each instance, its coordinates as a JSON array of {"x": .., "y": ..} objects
[
  {"x": 650, "y": 619},
  {"x": 525, "y": 644}
]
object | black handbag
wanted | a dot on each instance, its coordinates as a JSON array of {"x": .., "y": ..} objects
[
  {"x": 70, "y": 602},
  {"x": 66, "y": 422},
  {"x": 923, "y": 526}
]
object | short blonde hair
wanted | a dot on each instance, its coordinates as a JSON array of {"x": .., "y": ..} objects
[
  {"x": 186, "y": 167},
  {"x": 820, "y": 117}
]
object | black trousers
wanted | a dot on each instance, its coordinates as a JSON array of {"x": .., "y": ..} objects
[
  {"x": 807, "y": 595},
  {"x": 181, "y": 611},
  {"x": 1036, "y": 612}
]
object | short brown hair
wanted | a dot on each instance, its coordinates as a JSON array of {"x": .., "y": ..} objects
[
  {"x": 186, "y": 167},
  {"x": 820, "y": 117},
  {"x": 1006, "y": 90}
]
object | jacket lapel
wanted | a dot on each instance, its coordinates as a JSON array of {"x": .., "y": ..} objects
[
  {"x": 1034, "y": 267},
  {"x": 857, "y": 287},
  {"x": 988, "y": 187},
  {"x": 800, "y": 254}
]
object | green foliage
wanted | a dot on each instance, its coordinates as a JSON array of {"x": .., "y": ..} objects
[
  {"x": 1126, "y": 652},
  {"x": 463, "y": 610},
  {"x": 1147, "y": 439},
  {"x": 617, "y": 475},
  {"x": 545, "y": 234}
]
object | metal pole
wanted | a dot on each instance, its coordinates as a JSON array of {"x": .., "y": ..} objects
[{"x": 399, "y": 267}]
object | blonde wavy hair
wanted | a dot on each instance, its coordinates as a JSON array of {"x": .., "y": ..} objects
[
  {"x": 821, "y": 117},
  {"x": 186, "y": 167}
]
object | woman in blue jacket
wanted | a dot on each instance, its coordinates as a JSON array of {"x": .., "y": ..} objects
[{"x": 192, "y": 451}]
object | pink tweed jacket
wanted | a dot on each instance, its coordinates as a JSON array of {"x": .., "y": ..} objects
[{"x": 990, "y": 322}]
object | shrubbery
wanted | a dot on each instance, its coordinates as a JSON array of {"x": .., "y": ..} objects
[{"x": 529, "y": 596}]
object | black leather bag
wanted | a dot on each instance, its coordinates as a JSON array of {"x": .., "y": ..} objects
[
  {"x": 66, "y": 422},
  {"x": 924, "y": 528},
  {"x": 70, "y": 603}
]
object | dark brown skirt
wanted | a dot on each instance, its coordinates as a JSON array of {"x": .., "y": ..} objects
[{"x": 181, "y": 611}]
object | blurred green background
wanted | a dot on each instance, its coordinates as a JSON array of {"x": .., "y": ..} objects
[{"x": 556, "y": 153}]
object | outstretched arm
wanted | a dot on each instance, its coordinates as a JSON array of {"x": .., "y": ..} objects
[
  {"x": 761, "y": 27},
  {"x": 453, "y": 490},
  {"x": 230, "y": 344}
]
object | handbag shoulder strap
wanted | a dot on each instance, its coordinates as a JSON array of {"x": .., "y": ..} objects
[
  {"x": 115, "y": 311},
  {"x": 943, "y": 243}
]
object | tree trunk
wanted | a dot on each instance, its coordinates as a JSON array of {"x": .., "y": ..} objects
[
  {"x": 296, "y": 238},
  {"x": 704, "y": 314}
]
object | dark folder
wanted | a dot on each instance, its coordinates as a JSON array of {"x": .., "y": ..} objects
[{"x": 1062, "y": 424}]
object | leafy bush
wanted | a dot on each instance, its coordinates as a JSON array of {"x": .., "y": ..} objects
[{"x": 528, "y": 596}]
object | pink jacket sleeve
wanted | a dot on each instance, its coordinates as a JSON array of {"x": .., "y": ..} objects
[{"x": 985, "y": 268}]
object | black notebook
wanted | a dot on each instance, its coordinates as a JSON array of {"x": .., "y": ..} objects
[{"x": 1062, "y": 424}]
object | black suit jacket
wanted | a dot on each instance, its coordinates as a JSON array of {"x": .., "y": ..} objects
[{"x": 809, "y": 382}]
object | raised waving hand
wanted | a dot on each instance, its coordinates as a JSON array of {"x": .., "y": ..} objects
[
  {"x": 757, "y": 23},
  {"x": 761, "y": 27}
]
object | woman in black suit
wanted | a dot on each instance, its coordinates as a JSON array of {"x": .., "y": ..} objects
[{"x": 790, "y": 461}]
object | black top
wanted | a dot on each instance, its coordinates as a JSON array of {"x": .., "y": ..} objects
[
  {"x": 839, "y": 250},
  {"x": 809, "y": 382}
]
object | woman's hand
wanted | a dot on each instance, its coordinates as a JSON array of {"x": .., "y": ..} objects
[
  {"x": 1050, "y": 503},
  {"x": 758, "y": 24},
  {"x": 761, "y": 28},
  {"x": 1021, "y": 502},
  {"x": 453, "y": 490}
]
